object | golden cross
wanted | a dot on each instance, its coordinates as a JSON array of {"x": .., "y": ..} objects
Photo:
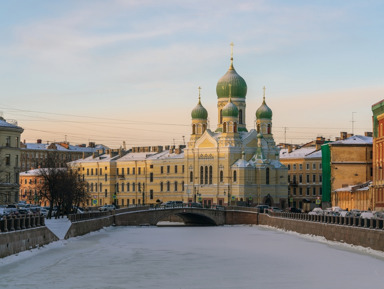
[
  {"x": 232, "y": 49},
  {"x": 199, "y": 88},
  {"x": 264, "y": 93}
]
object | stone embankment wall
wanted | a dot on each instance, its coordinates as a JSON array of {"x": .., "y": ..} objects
[
  {"x": 365, "y": 237},
  {"x": 241, "y": 218},
  {"x": 13, "y": 242},
  {"x": 83, "y": 227}
]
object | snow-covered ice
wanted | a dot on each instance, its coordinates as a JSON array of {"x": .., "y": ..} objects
[{"x": 194, "y": 257}]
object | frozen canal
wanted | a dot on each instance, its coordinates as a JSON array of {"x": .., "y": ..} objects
[{"x": 193, "y": 257}]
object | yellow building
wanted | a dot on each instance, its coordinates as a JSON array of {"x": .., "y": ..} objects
[
  {"x": 304, "y": 174},
  {"x": 9, "y": 161},
  {"x": 230, "y": 165}
]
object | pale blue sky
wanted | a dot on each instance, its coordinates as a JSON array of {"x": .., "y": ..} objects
[{"x": 114, "y": 71}]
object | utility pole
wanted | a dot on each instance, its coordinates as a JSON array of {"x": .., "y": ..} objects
[
  {"x": 353, "y": 122},
  {"x": 184, "y": 139},
  {"x": 285, "y": 135}
]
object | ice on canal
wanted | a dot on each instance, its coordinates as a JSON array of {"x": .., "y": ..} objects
[{"x": 193, "y": 257}]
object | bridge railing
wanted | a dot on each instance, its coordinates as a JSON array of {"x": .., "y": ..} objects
[
  {"x": 373, "y": 223},
  {"x": 22, "y": 222}
]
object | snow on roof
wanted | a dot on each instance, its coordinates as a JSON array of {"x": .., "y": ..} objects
[
  {"x": 3, "y": 123},
  {"x": 98, "y": 159},
  {"x": 354, "y": 140},
  {"x": 240, "y": 163},
  {"x": 315, "y": 154},
  {"x": 297, "y": 153},
  {"x": 36, "y": 172},
  {"x": 167, "y": 155},
  {"x": 41, "y": 146},
  {"x": 136, "y": 156},
  {"x": 354, "y": 188},
  {"x": 277, "y": 164}
]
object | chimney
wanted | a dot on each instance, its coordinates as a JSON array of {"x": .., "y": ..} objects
[
  {"x": 343, "y": 135},
  {"x": 38, "y": 141},
  {"x": 289, "y": 148},
  {"x": 368, "y": 133},
  {"x": 349, "y": 135},
  {"x": 91, "y": 145},
  {"x": 319, "y": 142}
]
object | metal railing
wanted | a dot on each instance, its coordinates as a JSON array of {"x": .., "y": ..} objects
[{"x": 373, "y": 223}]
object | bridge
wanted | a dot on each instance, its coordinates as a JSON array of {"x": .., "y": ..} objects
[{"x": 190, "y": 216}]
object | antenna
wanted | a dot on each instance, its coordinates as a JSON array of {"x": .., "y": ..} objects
[
  {"x": 184, "y": 139},
  {"x": 285, "y": 134},
  {"x": 353, "y": 122}
]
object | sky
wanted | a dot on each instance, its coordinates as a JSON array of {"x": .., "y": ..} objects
[{"x": 128, "y": 71}]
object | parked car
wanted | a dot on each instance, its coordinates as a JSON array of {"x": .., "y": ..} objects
[
  {"x": 379, "y": 215},
  {"x": 293, "y": 210},
  {"x": 316, "y": 212},
  {"x": 172, "y": 204},
  {"x": 195, "y": 205},
  {"x": 106, "y": 208},
  {"x": 366, "y": 215},
  {"x": 263, "y": 208},
  {"x": 355, "y": 213},
  {"x": 275, "y": 210},
  {"x": 218, "y": 207}
]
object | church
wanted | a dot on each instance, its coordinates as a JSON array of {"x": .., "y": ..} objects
[{"x": 228, "y": 166}]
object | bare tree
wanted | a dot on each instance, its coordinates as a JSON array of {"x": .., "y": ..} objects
[{"x": 62, "y": 187}]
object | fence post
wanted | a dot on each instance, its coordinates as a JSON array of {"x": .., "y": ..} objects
[{"x": 5, "y": 222}]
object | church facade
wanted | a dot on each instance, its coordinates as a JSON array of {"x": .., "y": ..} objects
[{"x": 227, "y": 166}]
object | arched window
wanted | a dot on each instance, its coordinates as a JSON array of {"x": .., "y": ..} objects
[
  {"x": 210, "y": 175},
  {"x": 201, "y": 175},
  {"x": 267, "y": 176},
  {"x": 235, "y": 176},
  {"x": 95, "y": 187},
  {"x": 221, "y": 116},
  {"x": 161, "y": 186},
  {"x": 269, "y": 129},
  {"x": 182, "y": 186},
  {"x": 133, "y": 187},
  {"x": 258, "y": 128},
  {"x": 190, "y": 177},
  {"x": 240, "y": 116},
  {"x": 101, "y": 187},
  {"x": 206, "y": 175},
  {"x": 122, "y": 187},
  {"x": 224, "y": 127},
  {"x": 168, "y": 186},
  {"x": 204, "y": 128},
  {"x": 221, "y": 176},
  {"x": 193, "y": 129},
  {"x": 139, "y": 187},
  {"x": 235, "y": 127},
  {"x": 127, "y": 187},
  {"x": 175, "y": 186}
]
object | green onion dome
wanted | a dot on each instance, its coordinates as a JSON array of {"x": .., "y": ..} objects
[
  {"x": 238, "y": 85},
  {"x": 199, "y": 112},
  {"x": 230, "y": 109},
  {"x": 264, "y": 111}
]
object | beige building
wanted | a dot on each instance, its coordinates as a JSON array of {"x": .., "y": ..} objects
[
  {"x": 35, "y": 155},
  {"x": 304, "y": 174},
  {"x": 10, "y": 161},
  {"x": 230, "y": 165}
]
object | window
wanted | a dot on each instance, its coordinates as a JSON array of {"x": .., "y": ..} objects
[
  {"x": 106, "y": 177},
  {"x": 95, "y": 187},
  {"x": 307, "y": 166},
  {"x": 8, "y": 159},
  {"x": 151, "y": 177},
  {"x": 8, "y": 141},
  {"x": 314, "y": 166},
  {"x": 182, "y": 186},
  {"x": 127, "y": 202},
  {"x": 151, "y": 194},
  {"x": 175, "y": 186},
  {"x": 289, "y": 167},
  {"x": 122, "y": 171},
  {"x": 87, "y": 172},
  {"x": 320, "y": 191},
  {"x": 190, "y": 177},
  {"x": 320, "y": 166},
  {"x": 314, "y": 191},
  {"x": 294, "y": 191},
  {"x": 168, "y": 186},
  {"x": 240, "y": 116},
  {"x": 289, "y": 178},
  {"x": 210, "y": 175},
  {"x": 307, "y": 178},
  {"x": 122, "y": 187},
  {"x": 267, "y": 176},
  {"x": 127, "y": 187},
  {"x": 151, "y": 166},
  {"x": 235, "y": 176},
  {"x": 182, "y": 169},
  {"x": 301, "y": 191},
  {"x": 91, "y": 172},
  {"x": 168, "y": 169},
  {"x": 175, "y": 169},
  {"x": 221, "y": 176},
  {"x": 133, "y": 171},
  {"x": 128, "y": 174},
  {"x": 300, "y": 178},
  {"x": 161, "y": 186},
  {"x": 320, "y": 178},
  {"x": 206, "y": 175},
  {"x": 117, "y": 171},
  {"x": 133, "y": 187},
  {"x": 101, "y": 187},
  {"x": 300, "y": 166},
  {"x": 314, "y": 178},
  {"x": 307, "y": 193},
  {"x": 201, "y": 175},
  {"x": 139, "y": 171},
  {"x": 101, "y": 172},
  {"x": 161, "y": 169},
  {"x": 294, "y": 167}
]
